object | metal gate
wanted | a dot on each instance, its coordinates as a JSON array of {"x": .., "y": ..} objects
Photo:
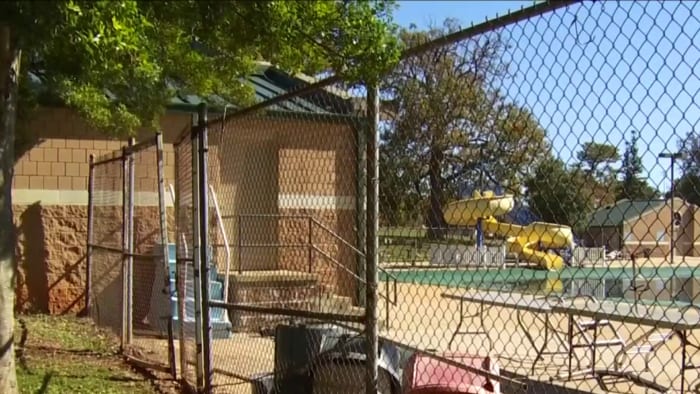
[{"x": 128, "y": 276}]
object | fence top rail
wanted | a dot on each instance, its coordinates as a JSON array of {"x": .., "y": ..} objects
[
  {"x": 474, "y": 30},
  {"x": 119, "y": 154},
  {"x": 108, "y": 160},
  {"x": 145, "y": 144}
]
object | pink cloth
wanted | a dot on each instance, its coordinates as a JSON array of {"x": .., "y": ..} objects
[{"x": 427, "y": 375}]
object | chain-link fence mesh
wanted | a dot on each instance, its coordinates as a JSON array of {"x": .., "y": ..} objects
[
  {"x": 184, "y": 241},
  {"x": 526, "y": 210},
  {"x": 107, "y": 261},
  {"x": 127, "y": 273},
  {"x": 152, "y": 303},
  {"x": 537, "y": 213},
  {"x": 283, "y": 186}
]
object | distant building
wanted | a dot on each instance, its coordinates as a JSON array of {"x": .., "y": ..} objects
[{"x": 645, "y": 227}]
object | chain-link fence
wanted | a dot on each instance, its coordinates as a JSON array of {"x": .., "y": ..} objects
[
  {"x": 106, "y": 243},
  {"x": 503, "y": 213},
  {"x": 128, "y": 275},
  {"x": 284, "y": 182},
  {"x": 187, "y": 321},
  {"x": 527, "y": 176}
]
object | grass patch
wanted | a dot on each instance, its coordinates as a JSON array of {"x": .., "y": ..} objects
[
  {"x": 69, "y": 355},
  {"x": 68, "y": 334},
  {"x": 75, "y": 375}
]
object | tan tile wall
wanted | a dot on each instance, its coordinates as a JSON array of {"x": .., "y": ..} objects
[
  {"x": 243, "y": 171},
  {"x": 648, "y": 226},
  {"x": 51, "y": 245},
  {"x": 255, "y": 161},
  {"x": 332, "y": 275},
  {"x": 59, "y": 159},
  {"x": 259, "y": 160},
  {"x": 317, "y": 158}
]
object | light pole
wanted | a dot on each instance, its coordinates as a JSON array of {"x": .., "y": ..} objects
[{"x": 673, "y": 157}]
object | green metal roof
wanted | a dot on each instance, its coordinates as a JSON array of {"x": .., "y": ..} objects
[
  {"x": 267, "y": 82},
  {"x": 622, "y": 211}
]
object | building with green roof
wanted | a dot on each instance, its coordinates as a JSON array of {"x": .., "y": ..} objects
[
  {"x": 297, "y": 156},
  {"x": 644, "y": 226}
]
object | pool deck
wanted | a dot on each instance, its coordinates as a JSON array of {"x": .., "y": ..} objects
[{"x": 425, "y": 320}]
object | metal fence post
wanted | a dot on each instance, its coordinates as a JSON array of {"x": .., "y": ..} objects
[
  {"x": 204, "y": 245},
  {"x": 180, "y": 277},
  {"x": 196, "y": 254},
  {"x": 165, "y": 249},
  {"x": 310, "y": 241},
  {"x": 130, "y": 244},
  {"x": 90, "y": 238},
  {"x": 360, "y": 207},
  {"x": 125, "y": 249},
  {"x": 372, "y": 241}
]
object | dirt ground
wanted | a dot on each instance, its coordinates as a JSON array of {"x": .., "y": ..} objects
[{"x": 425, "y": 320}]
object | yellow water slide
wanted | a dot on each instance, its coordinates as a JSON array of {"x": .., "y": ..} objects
[{"x": 522, "y": 240}]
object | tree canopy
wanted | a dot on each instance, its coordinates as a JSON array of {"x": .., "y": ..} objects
[
  {"x": 687, "y": 186},
  {"x": 632, "y": 186},
  {"x": 119, "y": 62},
  {"x": 593, "y": 155},
  {"x": 451, "y": 125},
  {"x": 557, "y": 194}
]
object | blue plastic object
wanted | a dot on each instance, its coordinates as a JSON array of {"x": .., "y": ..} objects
[{"x": 221, "y": 326}]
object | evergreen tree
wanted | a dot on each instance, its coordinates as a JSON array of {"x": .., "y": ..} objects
[{"x": 632, "y": 185}]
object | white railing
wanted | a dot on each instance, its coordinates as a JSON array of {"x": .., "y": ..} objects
[
  {"x": 467, "y": 256},
  {"x": 589, "y": 257}
]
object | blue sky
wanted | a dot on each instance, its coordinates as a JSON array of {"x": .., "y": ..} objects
[
  {"x": 620, "y": 66},
  {"x": 422, "y": 13}
]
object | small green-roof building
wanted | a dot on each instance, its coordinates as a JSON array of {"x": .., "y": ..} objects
[{"x": 644, "y": 226}]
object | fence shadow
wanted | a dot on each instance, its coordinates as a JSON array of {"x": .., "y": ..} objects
[{"x": 35, "y": 259}]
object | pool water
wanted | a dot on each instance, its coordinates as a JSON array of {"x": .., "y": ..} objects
[
  {"x": 658, "y": 290},
  {"x": 662, "y": 285}
]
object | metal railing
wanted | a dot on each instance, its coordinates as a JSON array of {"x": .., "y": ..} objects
[{"x": 391, "y": 290}]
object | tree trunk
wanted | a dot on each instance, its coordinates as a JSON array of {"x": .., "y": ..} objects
[
  {"x": 9, "y": 76},
  {"x": 436, "y": 219}
]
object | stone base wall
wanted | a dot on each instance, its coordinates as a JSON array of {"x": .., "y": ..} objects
[
  {"x": 51, "y": 254},
  {"x": 296, "y": 231},
  {"x": 300, "y": 294},
  {"x": 51, "y": 258}
]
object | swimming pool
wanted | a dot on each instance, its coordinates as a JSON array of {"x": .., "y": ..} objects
[{"x": 662, "y": 284}]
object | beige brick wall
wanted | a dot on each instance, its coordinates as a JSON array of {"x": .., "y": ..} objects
[
  {"x": 59, "y": 159},
  {"x": 274, "y": 165},
  {"x": 50, "y": 204},
  {"x": 331, "y": 272},
  {"x": 259, "y": 165},
  {"x": 648, "y": 229}
]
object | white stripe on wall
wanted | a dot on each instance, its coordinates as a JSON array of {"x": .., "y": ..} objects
[
  {"x": 303, "y": 201},
  {"x": 80, "y": 197}
]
